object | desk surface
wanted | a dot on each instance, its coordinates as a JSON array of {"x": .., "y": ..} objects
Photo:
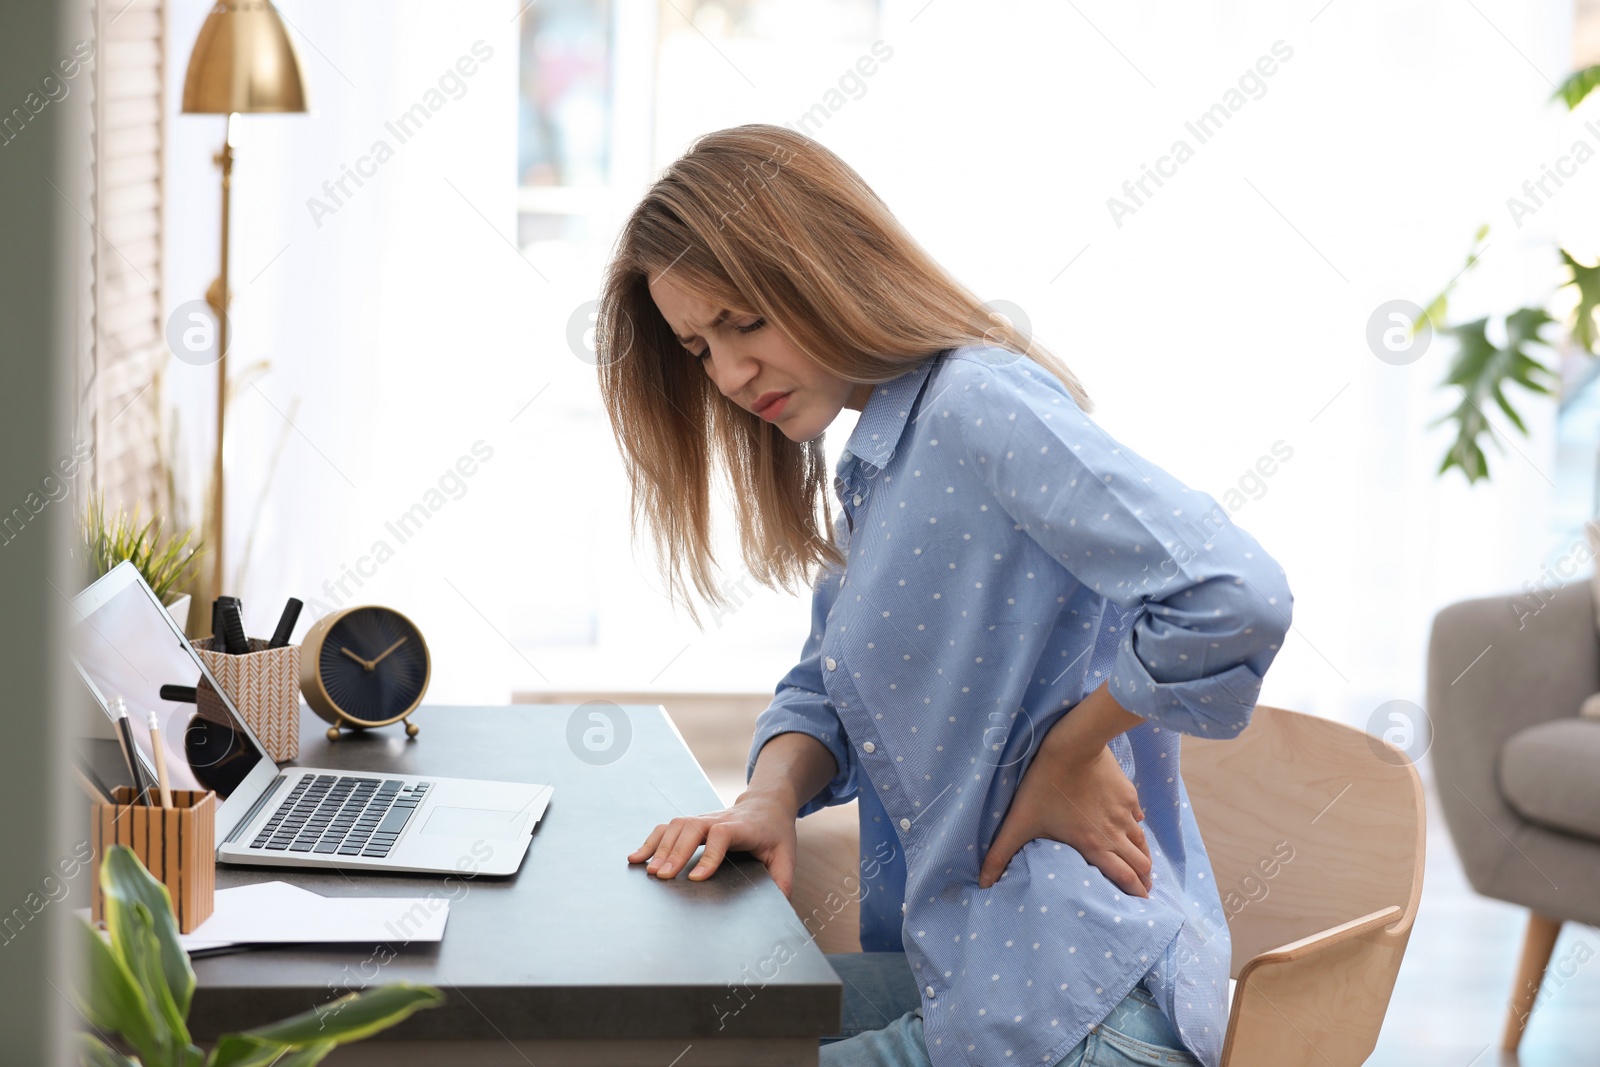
[{"x": 578, "y": 943}]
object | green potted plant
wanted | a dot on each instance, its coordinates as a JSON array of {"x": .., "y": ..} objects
[
  {"x": 164, "y": 561},
  {"x": 138, "y": 986},
  {"x": 1480, "y": 370}
]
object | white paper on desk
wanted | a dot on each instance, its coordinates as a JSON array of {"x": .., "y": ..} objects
[{"x": 280, "y": 913}]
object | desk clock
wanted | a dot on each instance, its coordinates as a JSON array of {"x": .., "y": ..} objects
[{"x": 363, "y": 667}]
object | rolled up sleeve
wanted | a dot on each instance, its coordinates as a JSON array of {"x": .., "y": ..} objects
[
  {"x": 1216, "y": 606},
  {"x": 800, "y": 704}
]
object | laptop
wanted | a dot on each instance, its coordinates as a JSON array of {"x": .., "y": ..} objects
[{"x": 124, "y": 644}]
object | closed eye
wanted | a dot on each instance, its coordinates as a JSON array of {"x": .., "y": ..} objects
[{"x": 752, "y": 328}]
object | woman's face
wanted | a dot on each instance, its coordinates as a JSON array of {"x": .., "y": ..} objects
[{"x": 752, "y": 363}]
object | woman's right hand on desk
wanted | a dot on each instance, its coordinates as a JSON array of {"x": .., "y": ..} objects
[{"x": 759, "y": 823}]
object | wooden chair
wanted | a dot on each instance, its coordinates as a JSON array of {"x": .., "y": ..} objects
[
  {"x": 1315, "y": 833},
  {"x": 1317, "y": 945}
]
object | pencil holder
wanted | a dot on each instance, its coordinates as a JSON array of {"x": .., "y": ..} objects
[
  {"x": 177, "y": 845},
  {"x": 264, "y": 684}
]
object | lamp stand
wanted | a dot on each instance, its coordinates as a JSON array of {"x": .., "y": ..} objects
[{"x": 217, "y": 297}]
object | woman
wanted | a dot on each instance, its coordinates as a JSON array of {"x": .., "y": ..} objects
[{"x": 999, "y": 560}]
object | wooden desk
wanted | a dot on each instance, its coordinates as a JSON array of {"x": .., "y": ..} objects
[{"x": 579, "y": 958}]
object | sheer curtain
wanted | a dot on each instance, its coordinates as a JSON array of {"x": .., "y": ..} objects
[{"x": 1220, "y": 321}]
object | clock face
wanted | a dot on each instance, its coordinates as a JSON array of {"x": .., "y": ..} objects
[{"x": 374, "y": 665}]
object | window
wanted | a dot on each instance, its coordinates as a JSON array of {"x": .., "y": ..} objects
[{"x": 564, "y": 94}]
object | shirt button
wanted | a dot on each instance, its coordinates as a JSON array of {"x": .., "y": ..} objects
[
  {"x": 831, "y": 664},
  {"x": 868, "y": 746},
  {"x": 905, "y": 824},
  {"x": 858, "y": 498}
]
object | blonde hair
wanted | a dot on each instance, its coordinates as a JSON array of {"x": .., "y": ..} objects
[{"x": 762, "y": 220}]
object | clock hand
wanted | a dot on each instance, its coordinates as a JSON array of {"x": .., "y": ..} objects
[
  {"x": 365, "y": 663},
  {"x": 385, "y": 652}
]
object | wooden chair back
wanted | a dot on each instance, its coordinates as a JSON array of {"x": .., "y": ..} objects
[{"x": 1315, "y": 834}]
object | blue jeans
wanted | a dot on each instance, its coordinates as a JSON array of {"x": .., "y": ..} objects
[{"x": 882, "y": 1024}]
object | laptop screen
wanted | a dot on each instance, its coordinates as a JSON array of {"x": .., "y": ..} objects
[{"x": 127, "y": 646}]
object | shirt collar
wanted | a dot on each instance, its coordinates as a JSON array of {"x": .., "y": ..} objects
[{"x": 883, "y": 418}]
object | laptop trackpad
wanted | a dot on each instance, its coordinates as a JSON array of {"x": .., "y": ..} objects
[{"x": 483, "y": 823}]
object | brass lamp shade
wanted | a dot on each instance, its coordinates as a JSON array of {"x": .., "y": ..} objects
[{"x": 242, "y": 62}]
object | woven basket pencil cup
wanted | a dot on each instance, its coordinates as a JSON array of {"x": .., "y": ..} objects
[
  {"x": 177, "y": 845},
  {"x": 264, "y": 684}
]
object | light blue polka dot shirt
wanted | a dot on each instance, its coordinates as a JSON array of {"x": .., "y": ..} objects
[{"x": 1005, "y": 557}]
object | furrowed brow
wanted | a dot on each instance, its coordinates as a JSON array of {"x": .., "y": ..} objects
[{"x": 718, "y": 321}]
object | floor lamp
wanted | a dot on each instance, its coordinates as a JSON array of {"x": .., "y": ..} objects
[{"x": 242, "y": 63}]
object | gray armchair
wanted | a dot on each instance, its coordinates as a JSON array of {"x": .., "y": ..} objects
[{"x": 1518, "y": 770}]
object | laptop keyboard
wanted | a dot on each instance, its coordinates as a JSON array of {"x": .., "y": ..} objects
[{"x": 344, "y": 815}]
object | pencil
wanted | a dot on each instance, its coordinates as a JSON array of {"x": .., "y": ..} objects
[{"x": 161, "y": 760}]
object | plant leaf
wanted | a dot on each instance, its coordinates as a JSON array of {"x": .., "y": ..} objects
[
  {"x": 1587, "y": 279},
  {"x": 309, "y": 1056},
  {"x": 145, "y": 965},
  {"x": 236, "y": 1050},
  {"x": 1510, "y": 412},
  {"x": 1433, "y": 312},
  {"x": 123, "y": 881},
  {"x": 112, "y": 1000},
  {"x": 350, "y": 1018},
  {"x": 1579, "y": 84},
  {"x": 107, "y": 541},
  {"x": 1481, "y": 371},
  {"x": 92, "y": 1052},
  {"x": 1523, "y": 326}
]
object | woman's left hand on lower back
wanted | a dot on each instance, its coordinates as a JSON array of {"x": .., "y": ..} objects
[{"x": 1080, "y": 800}]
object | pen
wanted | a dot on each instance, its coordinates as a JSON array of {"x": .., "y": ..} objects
[
  {"x": 291, "y": 615},
  {"x": 233, "y": 629},
  {"x": 219, "y": 627},
  {"x": 129, "y": 751},
  {"x": 161, "y": 760}
]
